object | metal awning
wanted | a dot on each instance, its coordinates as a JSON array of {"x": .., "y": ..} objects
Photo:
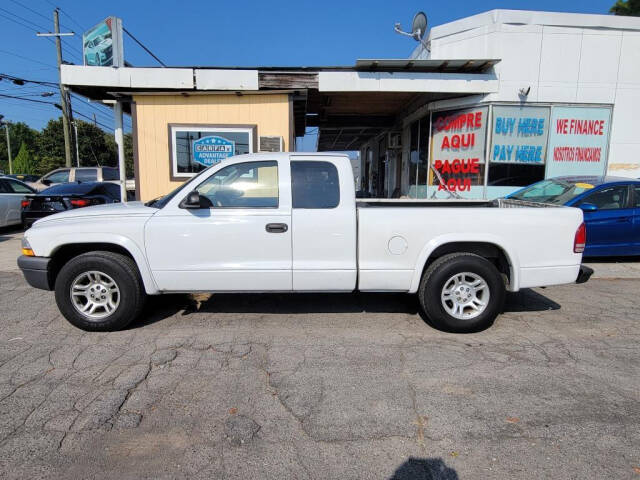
[{"x": 445, "y": 66}]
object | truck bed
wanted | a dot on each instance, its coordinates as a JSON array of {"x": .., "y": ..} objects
[{"x": 497, "y": 203}]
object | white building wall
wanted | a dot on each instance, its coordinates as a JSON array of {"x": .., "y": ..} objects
[{"x": 564, "y": 58}]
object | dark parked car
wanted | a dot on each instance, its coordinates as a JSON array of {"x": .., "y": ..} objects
[
  {"x": 67, "y": 196},
  {"x": 611, "y": 207}
]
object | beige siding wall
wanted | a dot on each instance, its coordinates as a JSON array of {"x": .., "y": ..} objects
[{"x": 154, "y": 113}]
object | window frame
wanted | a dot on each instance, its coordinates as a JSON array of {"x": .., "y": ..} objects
[
  {"x": 10, "y": 182},
  {"x": 83, "y": 170},
  {"x": 271, "y": 163},
  {"x": 68, "y": 170},
  {"x": 292, "y": 162},
  {"x": 173, "y": 128},
  {"x": 627, "y": 205}
]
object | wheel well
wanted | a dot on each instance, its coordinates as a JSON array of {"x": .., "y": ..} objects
[
  {"x": 66, "y": 252},
  {"x": 490, "y": 251}
]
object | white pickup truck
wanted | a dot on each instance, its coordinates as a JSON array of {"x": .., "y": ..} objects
[{"x": 290, "y": 222}]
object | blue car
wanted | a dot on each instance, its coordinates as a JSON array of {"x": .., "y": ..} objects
[{"x": 611, "y": 207}]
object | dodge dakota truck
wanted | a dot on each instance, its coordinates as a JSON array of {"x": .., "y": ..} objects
[{"x": 290, "y": 222}]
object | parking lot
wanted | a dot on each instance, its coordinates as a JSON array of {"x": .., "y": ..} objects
[{"x": 323, "y": 386}]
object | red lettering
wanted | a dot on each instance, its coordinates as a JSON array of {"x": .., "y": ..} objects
[{"x": 445, "y": 143}]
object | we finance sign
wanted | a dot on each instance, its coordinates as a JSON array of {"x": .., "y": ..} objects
[{"x": 212, "y": 149}]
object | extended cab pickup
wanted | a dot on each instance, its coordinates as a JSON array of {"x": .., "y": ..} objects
[{"x": 290, "y": 222}]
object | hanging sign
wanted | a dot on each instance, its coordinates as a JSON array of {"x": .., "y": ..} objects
[
  {"x": 457, "y": 148},
  {"x": 578, "y": 141},
  {"x": 519, "y": 134},
  {"x": 212, "y": 149}
]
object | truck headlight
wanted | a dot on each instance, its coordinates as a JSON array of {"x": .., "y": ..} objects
[{"x": 26, "y": 248}]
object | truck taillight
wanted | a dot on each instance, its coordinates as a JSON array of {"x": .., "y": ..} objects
[
  {"x": 25, "y": 203},
  {"x": 580, "y": 239}
]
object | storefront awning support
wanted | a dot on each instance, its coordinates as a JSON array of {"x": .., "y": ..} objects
[{"x": 119, "y": 137}]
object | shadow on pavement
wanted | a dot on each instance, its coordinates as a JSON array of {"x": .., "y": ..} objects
[
  {"x": 7, "y": 233},
  {"x": 424, "y": 469},
  {"x": 527, "y": 300},
  {"x": 164, "y": 306},
  {"x": 629, "y": 259}
]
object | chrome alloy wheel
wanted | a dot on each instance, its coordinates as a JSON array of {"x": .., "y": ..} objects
[
  {"x": 95, "y": 295},
  {"x": 465, "y": 295}
]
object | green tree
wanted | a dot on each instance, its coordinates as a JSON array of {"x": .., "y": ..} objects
[
  {"x": 19, "y": 133},
  {"x": 629, "y": 8},
  {"x": 23, "y": 163}
]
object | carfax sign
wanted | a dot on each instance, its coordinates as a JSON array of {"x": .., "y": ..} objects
[
  {"x": 102, "y": 44},
  {"x": 212, "y": 149},
  {"x": 519, "y": 134}
]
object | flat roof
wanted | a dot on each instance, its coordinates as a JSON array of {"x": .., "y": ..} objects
[{"x": 531, "y": 17}]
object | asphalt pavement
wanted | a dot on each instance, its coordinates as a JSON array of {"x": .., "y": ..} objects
[{"x": 322, "y": 386}]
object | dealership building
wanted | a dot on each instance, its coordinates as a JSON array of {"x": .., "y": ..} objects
[{"x": 484, "y": 105}]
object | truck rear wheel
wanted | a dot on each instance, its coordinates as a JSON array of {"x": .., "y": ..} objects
[
  {"x": 100, "y": 291},
  {"x": 462, "y": 292}
]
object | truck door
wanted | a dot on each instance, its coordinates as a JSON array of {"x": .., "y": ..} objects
[
  {"x": 240, "y": 240},
  {"x": 324, "y": 224}
]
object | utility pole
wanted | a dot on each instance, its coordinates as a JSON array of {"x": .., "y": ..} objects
[
  {"x": 6, "y": 128},
  {"x": 75, "y": 134},
  {"x": 63, "y": 93},
  {"x": 64, "y": 99}
]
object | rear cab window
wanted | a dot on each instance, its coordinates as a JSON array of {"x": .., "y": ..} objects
[
  {"x": 314, "y": 184},
  {"x": 87, "y": 175},
  {"x": 110, "y": 174}
]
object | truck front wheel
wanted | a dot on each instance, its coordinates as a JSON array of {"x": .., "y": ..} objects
[
  {"x": 462, "y": 292},
  {"x": 100, "y": 291}
]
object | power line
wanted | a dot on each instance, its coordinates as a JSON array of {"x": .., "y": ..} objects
[
  {"x": 23, "y": 25},
  {"x": 36, "y": 12},
  {"x": 28, "y": 99},
  {"x": 66, "y": 15},
  {"x": 28, "y": 59},
  {"x": 145, "y": 48},
  {"x": 23, "y": 19},
  {"x": 91, "y": 119},
  {"x": 14, "y": 78}
]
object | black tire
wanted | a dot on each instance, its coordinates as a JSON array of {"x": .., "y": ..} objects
[
  {"x": 125, "y": 274},
  {"x": 433, "y": 282}
]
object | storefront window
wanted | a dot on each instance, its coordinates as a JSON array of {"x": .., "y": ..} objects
[
  {"x": 458, "y": 153},
  {"x": 518, "y": 149},
  {"x": 418, "y": 161},
  {"x": 194, "y": 147}
]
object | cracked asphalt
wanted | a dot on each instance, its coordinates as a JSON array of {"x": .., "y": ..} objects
[{"x": 322, "y": 386}]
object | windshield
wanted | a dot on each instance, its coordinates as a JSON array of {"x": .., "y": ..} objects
[
  {"x": 554, "y": 191},
  {"x": 160, "y": 202}
]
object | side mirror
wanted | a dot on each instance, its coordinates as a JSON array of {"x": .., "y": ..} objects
[
  {"x": 45, "y": 181},
  {"x": 192, "y": 200},
  {"x": 588, "y": 207}
]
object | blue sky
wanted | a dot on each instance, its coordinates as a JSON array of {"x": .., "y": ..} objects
[{"x": 202, "y": 32}]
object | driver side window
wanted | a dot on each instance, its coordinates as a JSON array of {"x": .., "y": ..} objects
[
  {"x": 243, "y": 185},
  {"x": 611, "y": 198},
  {"x": 59, "y": 177}
]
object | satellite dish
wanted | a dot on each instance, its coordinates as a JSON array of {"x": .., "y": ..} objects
[
  {"x": 418, "y": 29},
  {"x": 419, "y": 26}
]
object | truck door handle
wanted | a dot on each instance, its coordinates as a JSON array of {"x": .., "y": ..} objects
[{"x": 276, "y": 227}]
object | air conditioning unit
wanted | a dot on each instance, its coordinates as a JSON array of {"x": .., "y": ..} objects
[
  {"x": 394, "y": 140},
  {"x": 271, "y": 144}
]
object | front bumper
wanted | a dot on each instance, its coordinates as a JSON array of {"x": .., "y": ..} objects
[
  {"x": 36, "y": 271},
  {"x": 584, "y": 274}
]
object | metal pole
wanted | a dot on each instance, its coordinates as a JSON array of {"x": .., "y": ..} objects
[
  {"x": 117, "y": 113},
  {"x": 6, "y": 127},
  {"x": 75, "y": 129},
  {"x": 63, "y": 93}
]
